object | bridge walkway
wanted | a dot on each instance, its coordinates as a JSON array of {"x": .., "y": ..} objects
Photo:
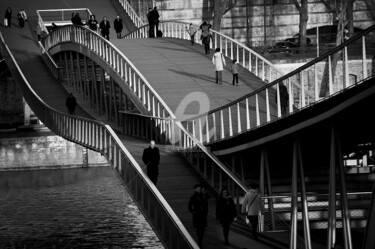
[{"x": 174, "y": 170}]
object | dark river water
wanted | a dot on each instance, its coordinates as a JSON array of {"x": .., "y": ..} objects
[{"x": 71, "y": 208}]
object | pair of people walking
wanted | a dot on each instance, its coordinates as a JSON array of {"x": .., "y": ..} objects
[{"x": 219, "y": 62}]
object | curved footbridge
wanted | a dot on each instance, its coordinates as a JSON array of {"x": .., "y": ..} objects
[
  {"x": 144, "y": 88},
  {"x": 165, "y": 206}
]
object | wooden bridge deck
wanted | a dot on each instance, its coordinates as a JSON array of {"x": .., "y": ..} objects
[{"x": 175, "y": 69}]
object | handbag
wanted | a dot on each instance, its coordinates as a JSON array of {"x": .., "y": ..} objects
[{"x": 5, "y": 22}]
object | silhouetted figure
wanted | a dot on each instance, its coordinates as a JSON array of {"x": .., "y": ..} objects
[
  {"x": 154, "y": 18},
  {"x": 8, "y": 17},
  {"x": 71, "y": 104},
  {"x": 104, "y": 27},
  {"x": 197, "y": 206},
  {"x": 21, "y": 20},
  {"x": 284, "y": 98},
  {"x": 93, "y": 23},
  {"x": 151, "y": 157},
  {"x": 225, "y": 212},
  {"x": 117, "y": 24}
]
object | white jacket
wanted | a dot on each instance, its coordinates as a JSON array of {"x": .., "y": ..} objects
[
  {"x": 219, "y": 61},
  {"x": 256, "y": 205}
]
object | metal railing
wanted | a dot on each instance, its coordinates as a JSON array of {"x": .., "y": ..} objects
[
  {"x": 231, "y": 48},
  {"x": 60, "y": 17},
  {"x": 101, "y": 138},
  {"x": 340, "y": 69},
  {"x": 131, "y": 12},
  {"x": 51, "y": 64},
  {"x": 278, "y": 211},
  {"x": 174, "y": 132}
]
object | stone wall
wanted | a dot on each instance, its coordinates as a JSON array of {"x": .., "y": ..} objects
[
  {"x": 43, "y": 152},
  {"x": 11, "y": 103},
  {"x": 279, "y": 19}
]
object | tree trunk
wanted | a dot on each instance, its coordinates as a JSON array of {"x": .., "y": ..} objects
[
  {"x": 220, "y": 8},
  {"x": 304, "y": 17}
]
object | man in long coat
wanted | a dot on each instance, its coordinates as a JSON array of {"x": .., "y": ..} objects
[{"x": 151, "y": 157}]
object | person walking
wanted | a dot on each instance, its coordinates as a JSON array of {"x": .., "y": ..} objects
[
  {"x": 206, "y": 37},
  {"x": 235, "y": 72},
  {"x": 192, "y": 30},
  {"x": 284, "y": 97},
  {"x": 150, "y": 24},
  {"x": 219, "y": 63},
  {"x": 21, "y": 20},
  {"x": 93, "y": 23},
  {"x": 24, "y": 15},
  {"x": 225, "y": 212},
  {"x": 117, "y": 24},
  {"x": 154, "y": 16},
  {"x": 197, "y": 207},
  {"x": 71, "y": 104},
  {"x": 252, "y": 205},
  {"x": 8, "y": 18},
  {"x": 151, "y": 157},
  {"x": 104, "y": 27}
]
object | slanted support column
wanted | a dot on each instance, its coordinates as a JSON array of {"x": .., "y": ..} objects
[
  {"x": 26, "y": 113},
  {"x": 369, "y": 238},
  {"x": 265, "y": 180},
  {"x": 336, "y": 163},
  {"x": 298, "y": 165}
]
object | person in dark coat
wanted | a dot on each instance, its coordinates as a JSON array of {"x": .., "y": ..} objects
[
  {"x": 117, "y": 24},
  {"x": 284, "y": 98},
  {"x": 8, "y": 16},
  {"x": 151, "y": 157},
  {"x": 154, "y": 18},
  {"x": 225, "y": 212},
  {"x": 197, "y": 206},
  {"x": 93, "y": 23},
  {"x": 21, "y": 20},
  {"x": 104, "y": 27},
  {"x": 71, "y": 104},
  {"x": 150, "y": 24}
]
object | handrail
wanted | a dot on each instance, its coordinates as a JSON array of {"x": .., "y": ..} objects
[
  {"x": 42, "y": 21},
  {"x": 50, "y": 62},
  {"x": 238, "y": 117},
  {"x": 231, "y": 48},
  {"x": 132, "y": 78},
  {"x": 131, "y": 12},
  {"x": 101, "y": 138}
]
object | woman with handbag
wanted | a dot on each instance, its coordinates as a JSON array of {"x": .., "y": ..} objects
[{"x": 252, "y": 205}]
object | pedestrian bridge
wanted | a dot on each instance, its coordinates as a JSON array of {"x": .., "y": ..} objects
[{"x": 135, "y": 89}]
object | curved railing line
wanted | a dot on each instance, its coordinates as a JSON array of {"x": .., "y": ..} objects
[
  {"x": 114, "y": 48},
  {"x": 245, "y": 114},
  {"x": 181, "y": 32},
  {"x": 294, "y": 72},
  {"x": 58, "y": 122},
  {"x": 131, "y": 12},
  {"x": 61, "y": 35}
]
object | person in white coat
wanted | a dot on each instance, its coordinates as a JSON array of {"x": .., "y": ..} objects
[
  {"x": 219, "y": 63},
  {"x": 252, "y": 206}
]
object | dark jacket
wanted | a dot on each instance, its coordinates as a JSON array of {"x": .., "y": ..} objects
[
  {"x": 151, "y": 157},
  {"x": 197, "y": 206},
  {"x": 117, "y": 24},
  {"x": 104, "y": 27},
  {"x": 225, "y": 210},
  {"x": 154, "y": 16},
  {"x": 93, "y": 24},
  {"x": 284, "y": 96},
  {"x": 8, "y": 14},
  {"x": 71, "y": 103}
]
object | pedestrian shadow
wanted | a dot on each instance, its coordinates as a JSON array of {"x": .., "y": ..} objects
[{"x": 191, "y": 75}]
